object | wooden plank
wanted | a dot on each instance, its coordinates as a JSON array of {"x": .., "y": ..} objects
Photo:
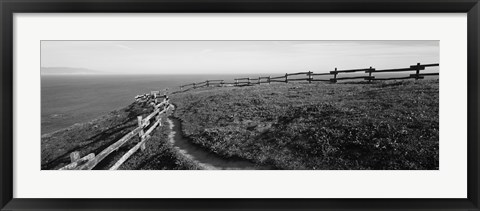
[
  {"x": 243, "y": 84},
  {"x": 277, "y": 81},
  {"x": 349, "y": 71},
  {"x": 424, "y": 74},
  {"x": 128, "y": 154},
  {"x": 299, "y": 73},
  {"x": 187, "y": 85},
  {"x": 397, "y": 78},
  {"x": 143, "y": 136},
  {"x": 314, "y": 74},
  {"x": 78, "y": 162},
  {"x": 164, "y": 102},
  {"x": 425, "y": 65},
  {"x": 157, "y": 112},
  {"x": 242, "y": 79},
  {"x": 277, "y": 77},
  {"x": 146, "y": 120},
  {"x": 395, "y": 70},
  {"x": 197, "y": 86},
  {"x": 320, "y": 79},
  {"x": 155, "y": 125},
  {"x": 140, "y": 134},
  {"x": 357, "y": 77},
  {"x": 298, "y": 79},
  {"x": 102, "y": 155},
  {"x": 74, "y": 156}
]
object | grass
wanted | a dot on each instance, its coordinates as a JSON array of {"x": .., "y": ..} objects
[{"x": 385, "y": 125}]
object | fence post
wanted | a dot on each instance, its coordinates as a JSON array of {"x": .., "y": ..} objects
[
  {"x": 194, "y": 86},
  {"x": 155, "y": 105},
  {"x": 74, "y": 156},
  {"x": 286, "y": 77},
  {"x": 309, "y": 76},
  {"x": 258, "y": 80},
  {"x": 268, "y": 79},
  {"x": 335, "y": 76},
  {"x": 248, "y": 81},
  {"x": 370, "y": 74},
  {"x": 221, "y": 83},
  {"x": 157, "y": 117},
  {"x": 418, "y": 71},
  {"x": 208, "y": 83},
  {"x": 236, "y": 82},
  {"x": 141, "y": 133}
]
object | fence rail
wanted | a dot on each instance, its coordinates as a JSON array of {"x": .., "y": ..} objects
[
  {"x": 143, "y": 131},
  {"x": 335, "y": 76},
  {"x": 300, "y": 73},
  {"x": 277, "y": 77},
  {"x": 396, "y": 78},
  {"x": 357, "y": 77},
  {"x": 352, "y": 70}
]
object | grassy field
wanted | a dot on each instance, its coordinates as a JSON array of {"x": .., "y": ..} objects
[
  {"x": 96, "y": 135},
  {"x": 385, "y": 125}
]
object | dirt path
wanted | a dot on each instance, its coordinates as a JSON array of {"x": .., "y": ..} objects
[{"x": 204, "y": 158}]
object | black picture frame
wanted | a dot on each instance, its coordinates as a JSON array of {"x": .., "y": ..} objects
[{"x": 9, "y": 7}]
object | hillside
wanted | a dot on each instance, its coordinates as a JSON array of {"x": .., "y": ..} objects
[
  {"x": 385, "y": 125},
  {"x": 96, "y": 135}
]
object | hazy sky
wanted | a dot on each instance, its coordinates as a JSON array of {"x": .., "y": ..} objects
[{"x": 225, "y": 57}]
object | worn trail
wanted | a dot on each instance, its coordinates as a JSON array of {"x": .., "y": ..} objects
[{"x": 205, "y": 159}]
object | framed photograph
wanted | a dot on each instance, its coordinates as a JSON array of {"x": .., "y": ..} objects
[{"x": 241, "y": 105}]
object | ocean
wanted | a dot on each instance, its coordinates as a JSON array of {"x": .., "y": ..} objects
[{"x": 70, "y": 99}]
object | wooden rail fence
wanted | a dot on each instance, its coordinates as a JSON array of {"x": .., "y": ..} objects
[
  {"x": 336, "y": 75},
  {"x": 145, "y": 127}
]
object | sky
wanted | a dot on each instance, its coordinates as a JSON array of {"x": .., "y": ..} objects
[{"x": 234, "y": 57}]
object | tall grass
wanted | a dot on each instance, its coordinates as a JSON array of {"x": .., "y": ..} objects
[{"x": 385, "y": 125}]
